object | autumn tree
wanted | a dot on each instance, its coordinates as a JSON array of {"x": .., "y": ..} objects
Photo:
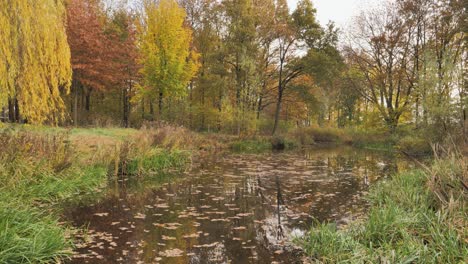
[
  {"x": 94, "y": 53},
  {"x": 265, "y": 24},
  {"x": 168, "y": 63},
  {"x": 443, "y": 64},
  {"x": 121, "y": 30},
  {"x": 291, "y": 32},
  {"x": 35, "y": 57},
  {"x": 381, "y": 50}
]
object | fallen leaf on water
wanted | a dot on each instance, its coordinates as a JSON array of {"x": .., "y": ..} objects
[
  {"x": 206, "y": 245},
  {"x": 140, "y": 216},
  {"x": 219, "y": 220},
  {"x": 194, "y": 235},
  {"x": 172, "y": 253},
  {"x": 101, "y": 214}
]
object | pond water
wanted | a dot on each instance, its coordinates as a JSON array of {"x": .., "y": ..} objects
[{"x": 236, "y": 208}]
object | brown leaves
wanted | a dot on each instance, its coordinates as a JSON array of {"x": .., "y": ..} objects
[{"x": 100, "y": 58}]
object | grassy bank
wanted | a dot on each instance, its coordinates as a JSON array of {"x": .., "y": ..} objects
[
  {"x": 41, "y": 168},
  {"x": 411, "y": 142},
  {"x": 418, "y": 216}
]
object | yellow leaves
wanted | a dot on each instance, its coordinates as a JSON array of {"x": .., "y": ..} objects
[
  {"x": 167, "y": 59},
  {"x": 35, "y": 50}
]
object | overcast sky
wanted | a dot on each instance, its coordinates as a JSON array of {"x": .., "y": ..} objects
[{"x": 339, "y": 11}]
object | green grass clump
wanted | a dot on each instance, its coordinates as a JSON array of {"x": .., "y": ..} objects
[
  {"x": 251, "y": 146},
  {"x": 117, "y": 133},
  {"x": 405, "y": 224},
  {"x": 27, "y": 236},
  {"x": 414, "y": 145},
  {"x": 158, "y": 160}
]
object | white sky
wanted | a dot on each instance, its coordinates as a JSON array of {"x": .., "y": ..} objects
[{"x": 339, "y": 11}]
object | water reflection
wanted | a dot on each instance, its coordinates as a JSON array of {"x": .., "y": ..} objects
[{"x": 237, "y": 209}]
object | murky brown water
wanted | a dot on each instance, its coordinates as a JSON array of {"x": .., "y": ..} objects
[{"x": 235, "y": 209}]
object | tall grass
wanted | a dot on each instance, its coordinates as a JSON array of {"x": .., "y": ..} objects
[
  {"x": 39, "y": 170},
  {"x": 29, "y": 236},
  {"x": 415, "y": 217}
]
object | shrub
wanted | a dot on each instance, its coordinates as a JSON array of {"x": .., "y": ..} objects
[
  {"x": 311, "y": 135},
  {"x": 251, "y": 145},
  {"x": 414, "y": 146}
]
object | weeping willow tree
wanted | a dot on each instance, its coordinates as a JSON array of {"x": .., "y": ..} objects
[{"x": 35, "y": 59}]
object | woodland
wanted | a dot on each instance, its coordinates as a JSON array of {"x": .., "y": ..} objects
[
  {"x": 111, "y": 104},
  {"x": 237, "y": 67}
]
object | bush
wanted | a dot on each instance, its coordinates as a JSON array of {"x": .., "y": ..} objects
[
  {"x": 415, "y": 146},
  {"x": 311, "y": 135},
  {"x": 251, "y": 145}
]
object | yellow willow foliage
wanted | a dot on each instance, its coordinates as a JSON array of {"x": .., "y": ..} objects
[
  {"x": 35, "y": 57},
  {"x": 168, "y": 61}
]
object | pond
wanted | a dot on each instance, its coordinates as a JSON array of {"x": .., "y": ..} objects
[{"x": 236, "y": 208}]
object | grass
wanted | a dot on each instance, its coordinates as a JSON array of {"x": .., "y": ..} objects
[
  {"x": 262, "y": 144},
  {"x": 158, "y": 160},
  {"x": 29, "y": 236},
  {"x": 251, "y": 145},
  {"x": 41, "y": 168},
  {"x": 415, "y": 217}
]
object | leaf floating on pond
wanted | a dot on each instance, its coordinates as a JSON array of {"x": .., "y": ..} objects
[
  {"x": 168, "y": 238},
  {"x": 244, "y": 214},
  {"x": 140, "y": 216},
  {"x": 206, "y": 245},
  {"x": 172, "y": 253},
  {"x": 101, "y": 214},
  {"x": 194, "y": 235},
  {"x": 220, "y": 220},
  {"x": 169, "y": 226}
]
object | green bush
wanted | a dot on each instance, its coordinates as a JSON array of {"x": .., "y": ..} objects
[
  {"x": 251, "y": 145},
  {"x": 311, "y": 135},
  {"x": 414, "y": 145}
]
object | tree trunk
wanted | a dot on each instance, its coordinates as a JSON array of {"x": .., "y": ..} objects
[
  {"x": 392, "y": 123},
  {"x": 160, "y": 104},
  {"x": 75, "y": 106},
  {"x": 259, "y": 107},
  {"x": 88, "y": 100},
  {"x": 11, "y": 110},
  {"x": 278, "y": 109},
  {"x": 125, "y": 108},
  {"x": 17, "y": 111},
  {"x": 151, "y": 110},
  {"x": 3, "y": 117},
  {"x": 142, "y": 109}
]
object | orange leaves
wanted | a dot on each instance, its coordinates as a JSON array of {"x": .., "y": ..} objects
[{"x": 95, "y": 52}]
